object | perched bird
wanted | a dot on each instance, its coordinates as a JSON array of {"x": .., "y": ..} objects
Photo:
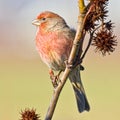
[{"x": 54, "y": 39}]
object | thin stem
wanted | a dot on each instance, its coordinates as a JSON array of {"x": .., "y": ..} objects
[
  {"x": 56, "y": 94},
  {"x": 77, "y": 45},
  {"x": 89, "y": 43},
  {"x": 81, "y": 5},
  {"x": 88, "y": 46}
]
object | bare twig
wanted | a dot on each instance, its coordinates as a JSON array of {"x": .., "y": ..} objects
[
  {"x": 77, "y": 45},
  {"x": 89, "y": 42},
  {"x": 94, "y": 12},
  {"x": 88, "y": 46},
  {"x": 56, "y": 94}
]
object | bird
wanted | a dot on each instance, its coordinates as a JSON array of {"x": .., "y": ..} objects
[{"x": 54, "y": 40}]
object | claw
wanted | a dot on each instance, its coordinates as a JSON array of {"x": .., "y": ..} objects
[
  {"x": 55, "y": 78},
  {"x": 51, "y": 73}
]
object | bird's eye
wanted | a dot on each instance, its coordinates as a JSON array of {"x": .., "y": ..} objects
[{"x": 43, "y": 19}]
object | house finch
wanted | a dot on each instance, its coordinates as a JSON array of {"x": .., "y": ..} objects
[{"x": 54, "y": 39}]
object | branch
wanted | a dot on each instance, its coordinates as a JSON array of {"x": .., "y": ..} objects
[
  {"x": 77, "y": 45},
  {"x": 81, "y": 6},
  {"x": 90, "y": 41},
  {"x": 88, "y": 46},
  {"x": 56, "y": 94}
]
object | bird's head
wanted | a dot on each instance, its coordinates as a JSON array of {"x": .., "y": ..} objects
[{"x": 48, "y": 20}]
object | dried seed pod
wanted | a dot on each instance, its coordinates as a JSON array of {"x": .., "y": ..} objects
[
  {"x": 97, "y": 12},
  {"x": 104, "y": 41},
  {"x": 28, "y": 114}
]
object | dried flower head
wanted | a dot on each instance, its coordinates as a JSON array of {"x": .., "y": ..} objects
[
  {"x": 104, "y": 41},
  {"x": 28, "y": 114},
  {"x": 97, "y": 11},
  {"x": 109, "y": 25}
]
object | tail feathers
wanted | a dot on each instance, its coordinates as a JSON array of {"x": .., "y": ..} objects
[
  {"x": 81, "y": 99},
  {"x": 80, "y": 95}
]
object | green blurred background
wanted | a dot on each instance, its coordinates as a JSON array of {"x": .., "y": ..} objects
[{"x": 24, "y": 79}]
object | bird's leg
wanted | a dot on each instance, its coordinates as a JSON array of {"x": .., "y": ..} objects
[
  {"x": 59, "y": 73},
  {"x": 52, "y": 77},
  {"x": 55, "y": 78}
]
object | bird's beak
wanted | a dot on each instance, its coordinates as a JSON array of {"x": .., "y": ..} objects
[{"x": 36, "y": 22}]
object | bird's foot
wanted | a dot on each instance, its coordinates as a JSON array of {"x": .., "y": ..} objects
[{"x": 54, "y": 78}]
